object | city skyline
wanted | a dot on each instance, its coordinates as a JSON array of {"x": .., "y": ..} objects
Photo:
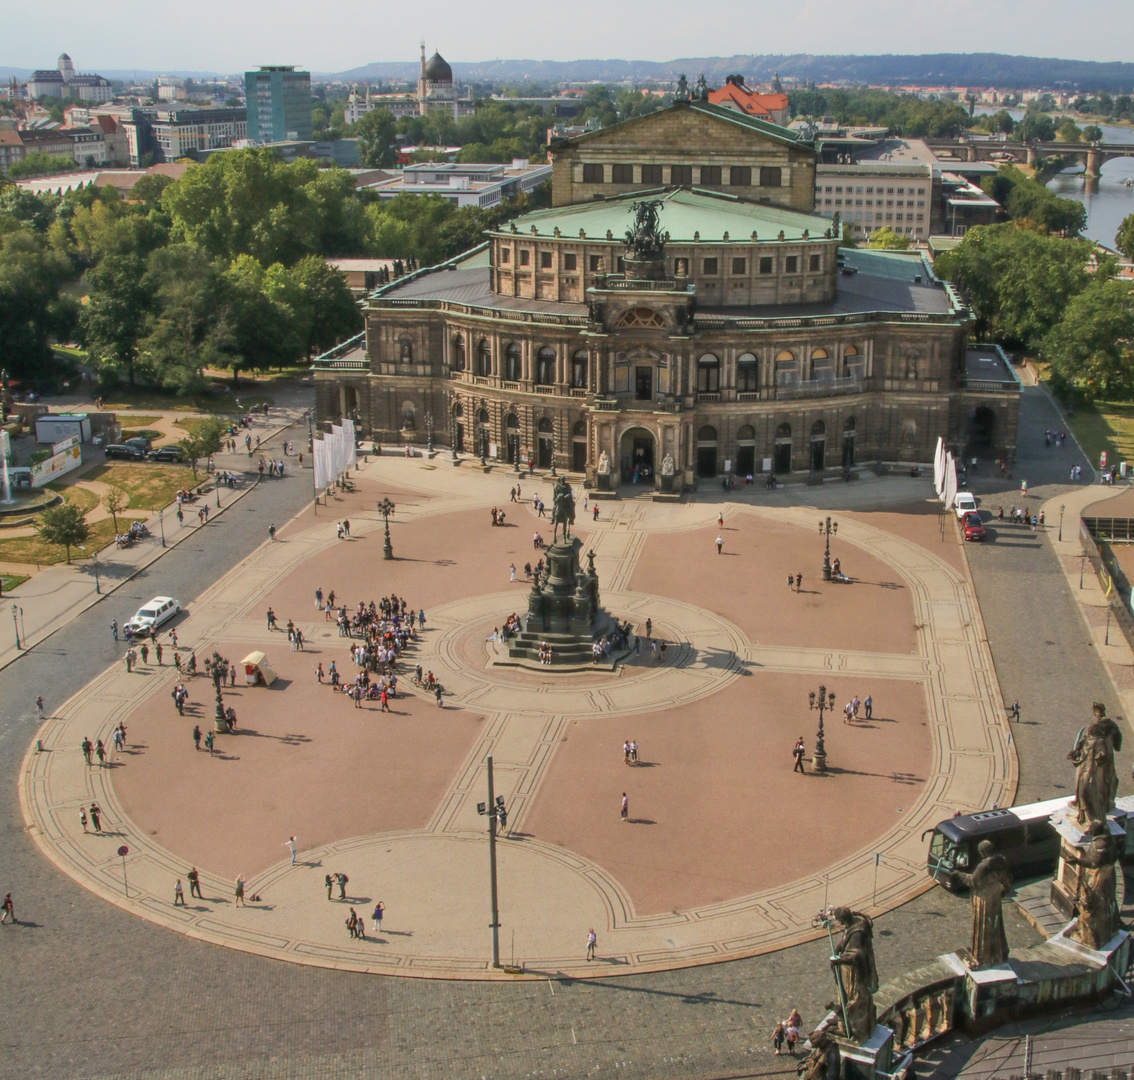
[{"x": 663, "y": 31}]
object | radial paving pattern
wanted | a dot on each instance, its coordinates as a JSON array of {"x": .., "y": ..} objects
[{"x": 726, "y": 853}]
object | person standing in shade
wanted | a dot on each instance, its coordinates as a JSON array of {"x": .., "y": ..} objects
[
  {"x": 625, "y": 811},
  {"x": 592, "y": 943},
  {"x": 178, "y": 894},
  {"x": 194, "y": 883},
  {"x": 798, "y": 753}
]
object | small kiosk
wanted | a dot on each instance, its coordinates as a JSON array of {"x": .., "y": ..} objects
[{"x": 257, "y": 670}]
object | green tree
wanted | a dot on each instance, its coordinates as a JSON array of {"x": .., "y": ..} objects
[
  {"x": 1124, "y": 240},
  {"x": 1092, "y": 133},
  {"x": 204, "y": 441},
  {"x": 38, "y": 163},
  {"x": 1025, "y": 199},
  {"x": 1093, "y": 343},
  {"x": 63, "y": 525},
  {"x": 1019, "y": 281},
  {"x": 375, "y": 131},
  {"x": 115, "y": 501},
  {"x": 1036, "y": 126},
  {"x": 116, "y": 315},
  {"x": 887, "y": 238},
  {"x": 322, "y": 305},
  {"x": 263, "y": 328},
  {"x": 1068, "y": 131}
]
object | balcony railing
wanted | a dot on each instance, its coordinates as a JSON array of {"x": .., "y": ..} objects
[
  {"x": 507, "y": 385},
  {"x": 506, "y": 314},
  {"x": 578, "y": 391},
  {"x": 707, "y": 396},
  {"x": 748, "y": 395},
  {"x": 729, "y": 322},
  {"x": 607, "y": 405},
  {"x": 821, "y": 388}
]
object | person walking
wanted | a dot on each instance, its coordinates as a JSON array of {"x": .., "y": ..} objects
[
  {"x": 437, "y": 691},
  {"x": 240, "y": 890},
  {"x": 511, "y": 571},
  {"x": 594, "y": 512},
  {"x": 157, "y": 652},
  {"x": 798, "y": 753},
  {"x": 178, "y": 894},
  {"x": 868, "y": 706},
  {"x": 379, "y": 911},
  {"x": 88, "y": 749},
  {"x": 720, "y": 543},
  {"x": 100, "y": 752},
  {"x": 1014, "y": 711},
  {"x": 272, "y": 533},
  {"x": 649, "y": 629},
  {"x": 799, "y": 582},
  {"x": 194, "y": 883},
  {"x": 7, "y": 911},
  {"x": 114, "y": 628},
  {"x": 291, "y": 845},
  {"x": 39, "y": 705},
  {"x": 626, "y": 752},
  {"x": 96, "y": 816},
  {"x": 625, "y": 811},
  {"x": 209, "y": 740},
  {"x": 592, "y": 943},
  {"x": 83, "y": 817}
]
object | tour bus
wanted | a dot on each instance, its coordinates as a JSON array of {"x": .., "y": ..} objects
[{"x": 1024, "y": 835}]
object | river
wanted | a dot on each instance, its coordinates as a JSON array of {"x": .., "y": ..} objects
[{"x": 1110, "y": 200}]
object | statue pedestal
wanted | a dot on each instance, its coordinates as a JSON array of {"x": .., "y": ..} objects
[
  {"x": 666, "y": 482},
  {"x": 603, "y": 479},
  {"x": 871, "y": 1058}
]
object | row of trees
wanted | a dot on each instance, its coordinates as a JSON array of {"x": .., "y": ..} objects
[{"x": 907, "y": 114}]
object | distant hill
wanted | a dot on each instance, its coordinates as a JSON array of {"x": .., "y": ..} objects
[{"x": 947, "y": 69}]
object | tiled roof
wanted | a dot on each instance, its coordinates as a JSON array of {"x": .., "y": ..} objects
[{"x": 749, "y": 101}]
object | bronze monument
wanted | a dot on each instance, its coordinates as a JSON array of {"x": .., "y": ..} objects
[
  {"x": 988, "y": 884},
  {"x": 1096, "y": 779},
  {"x": 853, "y": 964}
]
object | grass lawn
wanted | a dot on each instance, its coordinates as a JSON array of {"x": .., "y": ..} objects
[
  {"x": 140, "y": 421},
  {"x": 1105, "y": 425},
  {"x": 31, "y": 549},
  {"x": 10, "y": 581},
  {"x": 218, "y": 400},
  {"x": 148, "y": 486},
  {"x": 84, "y": 499}
]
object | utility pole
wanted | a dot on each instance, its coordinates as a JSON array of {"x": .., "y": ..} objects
[{"x": 493, "y": 809}]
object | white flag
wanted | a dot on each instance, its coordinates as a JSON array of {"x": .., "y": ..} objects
[
  {"x": 348, "y": 442},
  {"x": 319, "y": 464},
  {"x": 950, "y": 491},
  {"x": 337, "y": 455},
  {"x": 939, "y": 467}
]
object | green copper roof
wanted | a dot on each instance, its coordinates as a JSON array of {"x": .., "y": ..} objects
[{"x": 685, "y": 215}]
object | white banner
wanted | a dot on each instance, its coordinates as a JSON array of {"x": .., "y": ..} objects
[
  {"x": 349, "y": 440},
  {"x": 950, "y": 490},
  {"x": 338, "y": 452},
  {"x": 939, "y": 467},
  {"x": 319, "y": 464},
  {"x": 44, "y": 472}
]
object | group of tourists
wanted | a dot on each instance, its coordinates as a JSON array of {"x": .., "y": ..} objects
[
  {"x": 497, "y": 516},
  {"x": 787, "y": 1032}
]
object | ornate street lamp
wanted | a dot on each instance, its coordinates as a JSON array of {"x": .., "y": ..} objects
[
  {"x": 553, "y": 472},
  {"x": 217, "y": 668},
  {"x": 386, "y": 508},
  {"x": 823, "y": 703},
  {"x": 827, "y": 530},
  {"x": 452, "y": 435},
  {"x": 429, "y": 433}
]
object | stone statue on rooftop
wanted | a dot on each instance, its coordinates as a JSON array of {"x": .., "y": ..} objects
[
  {"x": 701, "y": 93},
  {"x": 682, "y": 91},
  {"x": 988, "y": 884},
  {"x": 1097, "y": 898},
  {"x": 856, "y": 974},
  {"x": 645, "y": 239},
  {"x": 1096, "y": 779}
]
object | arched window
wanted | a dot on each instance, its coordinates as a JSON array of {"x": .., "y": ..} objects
[
  {"x": 579, "y": 431},
  {"x": 484, "y": 358},
  {"x": 854, "y": 363},
  {"x": 783, "y": 432},
  {"x": 482, "y": 416},
  {"x": 787, "y": 369},
  {"x": 545, "y": 366},
  {"x": 849, "y": 425},
  {"x": 579, "y": 367},
  {"x": 818, "y": 430},
  {"x": 544, "y": 425},
  {"x": 822, "y": 367},
  {"x": 707, "y": 434},
  {"x": 747, "y": 373},
  {"x": 458, "y": 353},
  {"x": 747, "y": 433},
  {"x": 513, "y": 363},
  {"x": 708, "y": 374}
]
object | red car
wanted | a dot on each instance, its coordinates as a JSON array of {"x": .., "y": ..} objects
[{"x": 974, "y": 528}]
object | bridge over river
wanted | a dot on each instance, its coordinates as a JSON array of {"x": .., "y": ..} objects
[{"x": 1092, "y": 155}]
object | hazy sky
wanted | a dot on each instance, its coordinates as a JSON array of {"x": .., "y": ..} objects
[{"x": 231, "y": 35}]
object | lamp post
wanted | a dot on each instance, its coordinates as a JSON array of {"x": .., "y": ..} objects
[
  {"x": 827, "y": 530},
  {"x": 386, "y": 508},
  {"x": 429, "y": 434},
  {"x": 452, "y": 435},
  {"x": 1062, "y": 507},
  {"x": 494, "y": 810},
  {"x": 553, "y": 472},
  {"x": 217, "y": 668},
  {"x": 161, "y": 522},
  {"x": 1106, "y": 640},
  {"x": 16, "y": 624},
  {"x": 823, "y": 703},
  {"x": 482, "y": 435}
]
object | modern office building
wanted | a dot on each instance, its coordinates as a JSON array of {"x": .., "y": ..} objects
[
  {"x": 732, "y": 335},
  {"x": 465, "y": 184},
  {"x": 169, "y": 134},
  {"x": 278, "y": 100}
]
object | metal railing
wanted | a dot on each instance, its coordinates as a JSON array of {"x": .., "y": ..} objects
[
  {"x": 1115, "y": 585},
  {"x": 821, "y": 388}
]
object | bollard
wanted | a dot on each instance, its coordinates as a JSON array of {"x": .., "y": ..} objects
[{"x": 39, "y": 746}]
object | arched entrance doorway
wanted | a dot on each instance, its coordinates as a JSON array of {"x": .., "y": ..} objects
[
  {"x": 981, "y": 428},
  {"x": 848, "y": 442},
  {"x": 746, "y": 451},
  {"x": 818, "y": 445},
  {"x": 348, "y": 401},
  {"x": 482, "y": 432},
  {"x": 781, "y": 459},
  {"x": 707, "y": 451},
  {"x": 545, "y": 439},
  {"x": 637, "y": 455},
  {"x": 579, "y": 446},
  {"x": 512, "y": 439},
  {"x": 458, "y": 428}
]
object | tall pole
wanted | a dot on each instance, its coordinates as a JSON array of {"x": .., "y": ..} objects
[
  {"x": 495, "y": 924},
  {"x": 1062, "y": 507},
  {"x": 16, "y": 624}
]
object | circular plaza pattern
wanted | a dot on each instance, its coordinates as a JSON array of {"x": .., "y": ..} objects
[{"x": 727, "y": 852}]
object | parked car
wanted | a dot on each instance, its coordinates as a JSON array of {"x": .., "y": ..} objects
[
  {"x": 973, "y": 526},
  {"x": 142, "y": 444},
  {"x": 172, "y": 452},
  {"x": 124, "y": 450},
  {"x": 964, "y": 503},
  {"x": 152, "y": 615}
]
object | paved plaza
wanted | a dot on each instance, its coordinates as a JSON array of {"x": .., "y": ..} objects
[{"x": 719, "y": 841}]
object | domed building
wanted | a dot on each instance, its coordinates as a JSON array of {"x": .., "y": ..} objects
[
  {"x": 680, "y": 302},
  {"x": 435, "y": 90}
]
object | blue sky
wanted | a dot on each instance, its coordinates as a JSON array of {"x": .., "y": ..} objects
[{"x": 231, "y": 35}]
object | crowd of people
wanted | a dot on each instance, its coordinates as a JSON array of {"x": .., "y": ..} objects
[{"x": 137, "y": 531}]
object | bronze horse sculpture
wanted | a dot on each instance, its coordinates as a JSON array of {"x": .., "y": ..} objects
[{"x": 563, "y": 510}]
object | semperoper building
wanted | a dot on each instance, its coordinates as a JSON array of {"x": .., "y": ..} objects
[{"x": 749, "y": 341}]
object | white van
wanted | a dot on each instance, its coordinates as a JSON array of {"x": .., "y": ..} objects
[
  {"x": 152, "y": 615},
  {"x": 964, "y": 503}
]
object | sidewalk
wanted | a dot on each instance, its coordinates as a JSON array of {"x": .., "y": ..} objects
[{"x": 49, "y": 600}]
